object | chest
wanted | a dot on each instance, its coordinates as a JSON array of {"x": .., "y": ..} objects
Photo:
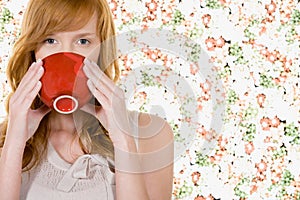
[{"x": 85, "y": 179}]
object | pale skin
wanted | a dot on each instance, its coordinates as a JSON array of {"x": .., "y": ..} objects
[{"x": 154, "y": 181}]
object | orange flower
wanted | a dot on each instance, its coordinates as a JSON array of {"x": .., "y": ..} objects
[
  {"x": 220, "y": 42},
  {"x": 113, "y": 6},
  {"x": 222, "y": 142},
  {"x": 224, "y": 2},
  {"x": 253, "y": 189},
  {"x": 210, "y": 44},
  {"x": 209, "y": 197},
  {"x": 205, "y": 86},
  {"x": 261, "y": 99},
  {"x": 269, "y": 19},
  {"x": 249, "y": 148},
  {"x": 166, "y": 16},
  {"x": 201, "y": 130},
  {"x": 206, "y": 20},
  {"x": 275, "y": 122},
  {"x": 127, "y": 63},
  {"x": 286, "y": 66},
  {"x": 142, "y": 95},
  {"x": 261, "y": 167},
  {"x": 276, "y": 176},
  {"x": 283, "y": 76},
  {"x": 264, "y": 52},
  {"x": 167, "y": 61},
  {"x": 261, "y": 176},
  {"x": 151, "y": 16},
  {"x": 271, "y": 8},
  {"x": 126, "y": 16},
  {"x": 272, "y": 57},
  {"x": 196, "y": 177},
  {"x": 152, "y": 6},
  {"x": 262, "y": 30},
  {"x": 200, "y": 198},
  {"x": 152, "y": 54},
  {"x": 193, "y": 69},
  {"x": 216, "y": 158},
  {"x": 265, "y": 123}
]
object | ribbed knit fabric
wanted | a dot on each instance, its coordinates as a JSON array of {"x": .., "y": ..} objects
[{"x": 89, "y": 177}]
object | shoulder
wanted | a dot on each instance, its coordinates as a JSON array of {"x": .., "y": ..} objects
[
  {"x": 156, "y": 148},
  {"x": 155, "y": 133}
]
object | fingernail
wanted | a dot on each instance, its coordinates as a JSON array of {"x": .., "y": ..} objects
[
  {"x": 84, "y": 68},
  {"x": 41, "y": 69},
  {"x": 89, "y": 82},
  {"x": 39, "y": 60},
  {"x": 87, "y": 61}
]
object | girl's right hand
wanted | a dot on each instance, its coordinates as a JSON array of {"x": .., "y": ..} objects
[{"x": 22, "y": 120}]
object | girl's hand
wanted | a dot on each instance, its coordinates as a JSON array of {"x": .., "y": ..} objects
[
  {"x": 112, "y": 113},
  {"x": 22, "y": 120}
]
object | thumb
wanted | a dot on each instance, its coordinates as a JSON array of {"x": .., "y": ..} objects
[
  {"x": 89, "y": 108},
  {"x": 35, "y": 117},
  {"x": 41, "y": 112},
  {"x": 95, "y": 111}
]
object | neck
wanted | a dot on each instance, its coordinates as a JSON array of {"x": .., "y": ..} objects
[
  {"x": 63, "y": 130},
  {"x": 63, "y": 135},
  {"x": 60, "y": 122}
]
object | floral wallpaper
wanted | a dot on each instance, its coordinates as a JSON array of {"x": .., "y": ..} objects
[{"x": 225, "y": 75}]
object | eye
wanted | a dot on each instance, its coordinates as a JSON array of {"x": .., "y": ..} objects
[
  {"x": 50, "y": 41},
  {"x": 83, "y": 41}
]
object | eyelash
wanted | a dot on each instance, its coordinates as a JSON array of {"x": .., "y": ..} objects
[
  {"x": 48, "y": 41},
  {"x": 80, "y": 41},
  {"x": 86, "y": 40}
]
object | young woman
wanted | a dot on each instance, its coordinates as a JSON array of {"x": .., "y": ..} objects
[{"x": 92, "y": 153}]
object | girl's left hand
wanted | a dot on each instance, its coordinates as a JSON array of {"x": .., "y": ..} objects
[{"x": 112, "y": 113}]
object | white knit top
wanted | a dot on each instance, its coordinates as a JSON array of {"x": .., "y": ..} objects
[{"x": 89, "y": 177}]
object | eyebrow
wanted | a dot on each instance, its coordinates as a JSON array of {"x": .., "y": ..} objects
[
  {"x": 85, "y": 34},
  {"x": 78, "y": 34}
]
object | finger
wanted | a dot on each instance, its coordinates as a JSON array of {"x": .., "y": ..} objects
[
  {"x": 89, "y": 108},
  {"x": 99, "y": 95},
  {"x": 95, "y": 71},
  {"x": 96, "y": 84},
  {"x": 41, "y": 112},
  {"x": 115, "y": 90},
  {"x": 93, "y": 110},
  {"x": 32, "y": 85},
  {"x": 35, "y": 117},
  {"x": 29, "y": 97},
  {"x": 31, "y": 73},
  {"x": 102, "y": 82},
  {"x": 29, "y": 82}
]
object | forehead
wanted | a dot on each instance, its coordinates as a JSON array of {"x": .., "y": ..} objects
[{"x": 89, "y": 27}]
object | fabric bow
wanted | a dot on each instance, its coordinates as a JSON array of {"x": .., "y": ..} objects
[{"x": 80, "y": 169}]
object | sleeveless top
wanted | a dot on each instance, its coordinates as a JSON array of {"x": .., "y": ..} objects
[{"x": 89, "y": 177}]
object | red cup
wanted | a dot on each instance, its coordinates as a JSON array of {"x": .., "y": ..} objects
[{"x": 64, "y": 84}]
